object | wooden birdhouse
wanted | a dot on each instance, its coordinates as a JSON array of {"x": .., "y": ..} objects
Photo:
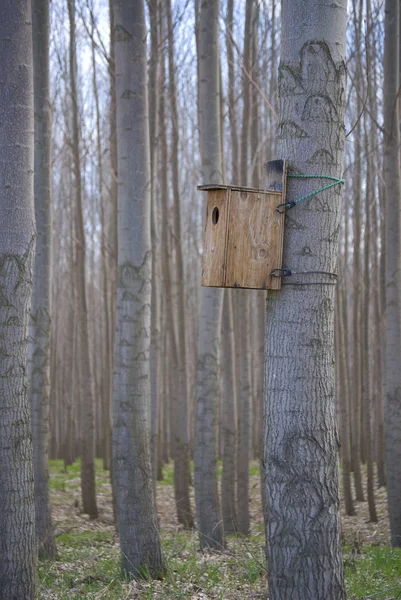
[{"x": 244, "y": 232}]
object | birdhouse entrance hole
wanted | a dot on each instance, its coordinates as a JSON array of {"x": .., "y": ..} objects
[
  {"x": 215, "y": 215},
  {"x": 244, "y": 233}
]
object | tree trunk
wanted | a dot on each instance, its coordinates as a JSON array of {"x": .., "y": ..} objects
[
  {"x": 231, "y": 91},
  {"x": 155, "y": 350},
  {"x": 17, "y": 243},
  {"x": 181, "y": 407},
  {"x": 343, "y": 400},
  {"x": 229, "y": 421},
  {"x": 87, "y": 424},
  {"x": 106, "y": 355},
  {"x": 356, "y": 422},
  {"x": 242, "y": 315},
  {"x": 208, "y": 512},
  {"x": 242, "y": 318},
  {"x": 113, "y": 233},
  {"x": 301, "y": 443},
  {"x": 366, "y": 344},
  {"x": 39, "y": 338},
  {"x": 177, "y": 402},
  {"x": 132, "y": 472},
  {"x": 393, "y": 283}
]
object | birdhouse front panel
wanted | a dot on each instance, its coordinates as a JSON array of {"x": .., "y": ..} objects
[
  {"x": 254, "y": 242},
  {"x": 213, "y": 264},
  {"x": 243, "y": 240}
]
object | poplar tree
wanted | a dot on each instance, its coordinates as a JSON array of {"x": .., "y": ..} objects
[
  {"x": 300, "y": 438},
  {"x": 208, "y": 512},
  {"x": 393, "y": 282},
  {"x": 39, "y": 338},
  {"x": 17, "y": 247},
  {"x": 135, "y": 509}
]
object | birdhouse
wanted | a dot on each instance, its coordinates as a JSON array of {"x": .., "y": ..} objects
[{"x": 243, "y": 241}]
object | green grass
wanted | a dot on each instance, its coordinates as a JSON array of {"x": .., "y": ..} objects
[
  {"x": 88, "y": 564},
  {"x": 168, "y": 471},
  {"x": 85, "y": 539},
  {"x": 77, "y": 573},
  {"x": 68, "y": 478},
  {"x": 375, "y": 573}
]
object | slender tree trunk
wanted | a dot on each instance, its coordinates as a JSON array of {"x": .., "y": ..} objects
[
  {"x": 106, "y": 360},
  {"x": 181, "y": 408},
  {"x": 357, "y": 434},
  {"x": 244, "y": 408},
  {"x": 155, "y": 350},
  {"x": 177, "y": 403},
  {"x": 343, "y": 371},
  {"x": 356, "y": 347},
  {"x": 231, "y": 90},
  {"x": 17, "y": 244},
  {"x": 208, "y": 512},
  {"x": 113, "y": 233},
  {"x": 132, "y": 472},
  {"x": 229, "y": 421},
  {"x": 242, "y": 316},
  {"x": 39, "y": 339},
  {"x": 343, "y": 400},
  {"x": 393, "y": 283},
  {"x": 366, "y": 384},
  {"x": 301, "y": 443},
  {"x": 358, "y": 430},
  {"x": 87, "y": 424},
  {"x": 246, "y": 93},
  {"x": 373, "y": 167}
]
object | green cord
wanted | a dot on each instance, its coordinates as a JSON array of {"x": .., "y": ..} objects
[{"x": 335, "y": 180}]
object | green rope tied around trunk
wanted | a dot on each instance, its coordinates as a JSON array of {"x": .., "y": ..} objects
[{"x": 335, "y": 181}]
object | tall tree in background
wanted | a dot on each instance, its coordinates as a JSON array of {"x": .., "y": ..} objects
[
  {"x": 300, "y": 444},
  {"x": 242, "y": 305},
  {"x": 180, "y": 408},
  {"x": 17, "y": 244},
  {"x": 155, "y": 352},
  {"x": 86, "y": 406},
  {"x": 229, "y": 413},
  {"x": 132, "y": 472},
  {"x": 393, "y": 282},
  {"x": 356, "y": 436},
  {"x": 208, "y": 388},
  {"x": 39, "y": 338},
  {"x": 229, "y": 420}
]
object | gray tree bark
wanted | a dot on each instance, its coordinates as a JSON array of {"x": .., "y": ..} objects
[
  {"x": 155, "y": 351},
  {"x": 178, "y": 415},
  {"x": 242, "y": 318},
  {"x": 300, "y": 439},
  {"x": 39, "y": 333},
  {"x": 211, "y": 534},
  {"x": 132, "y": 472},
  {"x": 356, "y": 429},
  {"x": 231, "y": 90},
  {"x": 105, "y": 342},
  {"x": 86, "y": 406},
  {"x": 229, "y": 421},
  {"x": 180, "y": 409},
  {"x": 392, "y": 351},
  {"x": 17, "y": 244},
  {"x": 344, "y": 381},
  {"x": 366, "y": 345},
  {"x": 113, "y": 225}
]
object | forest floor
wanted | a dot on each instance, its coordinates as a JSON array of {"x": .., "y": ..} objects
[{"x": 88, "y": 552}]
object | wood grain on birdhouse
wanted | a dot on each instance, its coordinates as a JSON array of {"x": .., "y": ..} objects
[{"x": 243, "y": 240}]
